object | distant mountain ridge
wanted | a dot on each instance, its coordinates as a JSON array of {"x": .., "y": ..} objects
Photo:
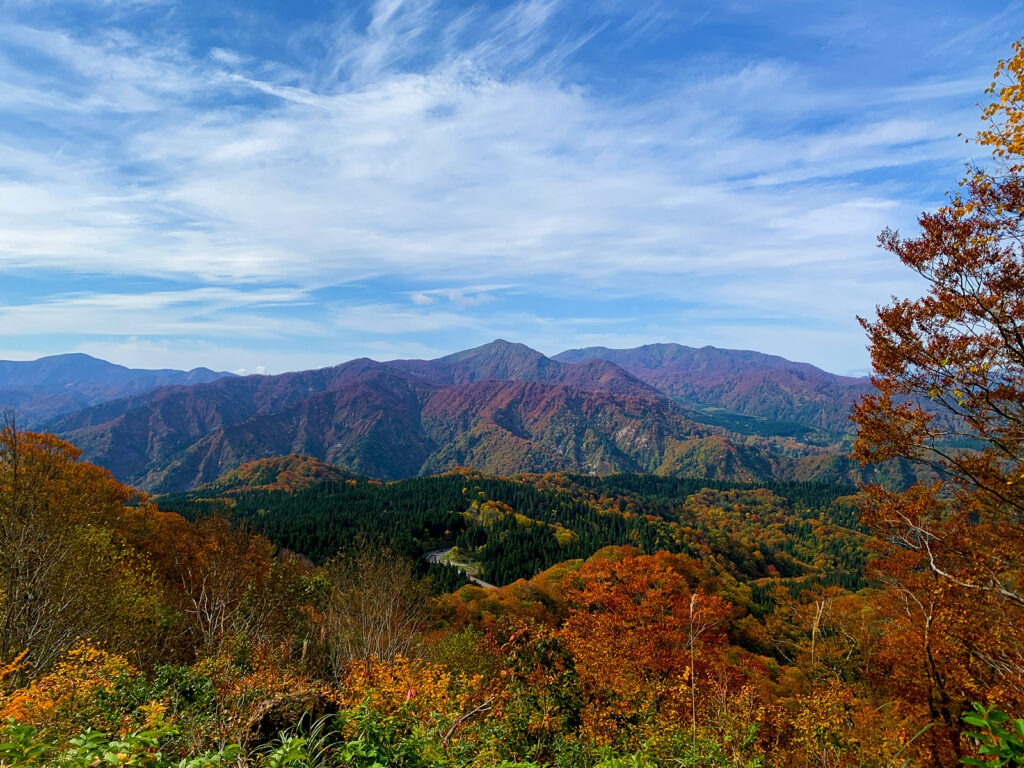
[
  {"x": 506, "y": 361},
  {"x": 39, "y": 390},
  {"x": 502, "y": 408},
  {"x": 750, "y": 383}
]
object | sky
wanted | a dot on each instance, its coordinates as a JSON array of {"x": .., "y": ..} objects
[{"x": 266, "y": 186}]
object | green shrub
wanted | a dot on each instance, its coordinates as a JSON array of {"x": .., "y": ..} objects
[
  {"x": 999, "y": 740},
  {"x": 21, "y": 746}
]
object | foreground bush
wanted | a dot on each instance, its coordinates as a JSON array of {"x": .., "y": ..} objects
[{"x": 21, "y": 746}]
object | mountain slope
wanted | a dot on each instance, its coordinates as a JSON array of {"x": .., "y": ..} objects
[
  {"x": 501, "y": 408},
  {"x": 537, "y": 427},
  {"x": 175, "y": 437},
  {"x": 750, "y": 383},
  {"x": 39, "y": 390}
]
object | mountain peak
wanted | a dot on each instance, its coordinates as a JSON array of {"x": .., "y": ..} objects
[
  {"x": 497, "y": 348},
  {"x": 680, "y": 357},
  {"x": 501, "y": 360},
  {"x": 746, "y": 382}
]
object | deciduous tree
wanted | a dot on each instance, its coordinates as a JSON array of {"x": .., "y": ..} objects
[
  {"x": 949, "y": 370},
  {"x": 376, "y": 609},
  {"x": 64, "y": 575},
  {"x": 640, "y": 637}
]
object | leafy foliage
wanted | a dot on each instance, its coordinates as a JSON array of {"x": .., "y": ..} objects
[
  {"x": 517, "y": 527},
  {"x": 1000, "y": 740},
  {"x": 637, "y": 621},
  {"x": 949, "y": 368}
]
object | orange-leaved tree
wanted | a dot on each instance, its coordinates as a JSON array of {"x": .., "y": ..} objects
[
  {"x": 949, "y": 370},
  {"x": 58, "y": 523},
  {"x": 949, "y": 366},
  {"x": 642, "y": 639}
]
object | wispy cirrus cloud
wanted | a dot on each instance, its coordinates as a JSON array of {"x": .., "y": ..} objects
[
  {"x": 201, "y": 311},
  {"x": 365, "y": 157}
]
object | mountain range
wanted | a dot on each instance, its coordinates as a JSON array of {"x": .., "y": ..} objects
[
  {"x": 39, "y": 390},
  {"x": 502, "y": 408},
  {"x": 760, "y": 386}
]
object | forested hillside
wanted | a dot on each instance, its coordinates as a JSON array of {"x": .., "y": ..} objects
[
  {"x": 514, "y": 528},
  {"x": 641, "y": 618},
  {"x": 502, "y": 408}
]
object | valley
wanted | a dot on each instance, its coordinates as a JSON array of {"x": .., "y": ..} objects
[{"x": 545, "y": 559}]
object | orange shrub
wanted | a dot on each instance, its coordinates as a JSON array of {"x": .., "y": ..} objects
[{"x": 70, "y": 697}]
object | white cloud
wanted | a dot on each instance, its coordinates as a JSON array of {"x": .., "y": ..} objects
[
  {"x": 204, "y": 311},
  {"x": 431, "y": 176},
  {"x": 455, "y": 154},
  {"x": 387, "y": 319}
]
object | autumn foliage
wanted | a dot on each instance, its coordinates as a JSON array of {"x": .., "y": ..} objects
[
  {"x": 949, "y": 368},
  {"x": 220, "y": 638},
  {"x": 644, "y": 642},
  {"x": 727, "y": 626}
]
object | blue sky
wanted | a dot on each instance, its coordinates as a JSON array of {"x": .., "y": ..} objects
[{"x": 270, "y": 186}]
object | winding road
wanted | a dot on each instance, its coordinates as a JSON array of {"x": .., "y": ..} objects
[{"x": 440, "y": 556}]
